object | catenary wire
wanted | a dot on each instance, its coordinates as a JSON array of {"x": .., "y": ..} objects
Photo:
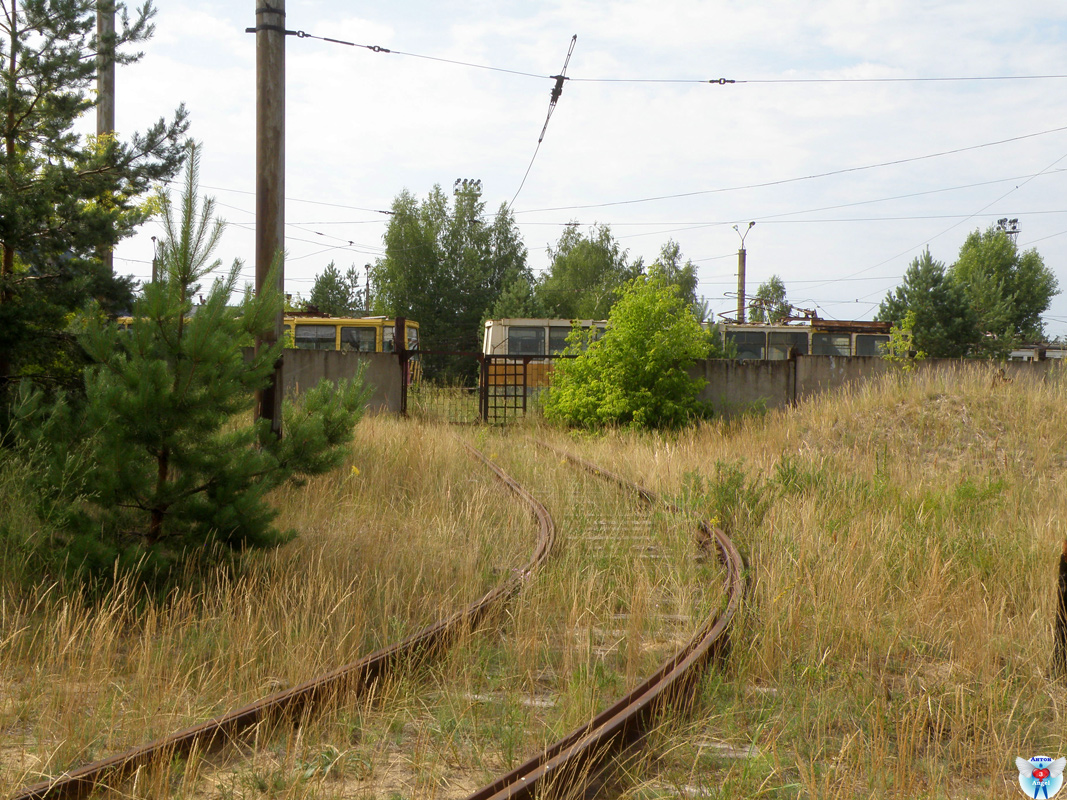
[
  {"x": 557, "y": 91},
  {"x": 797, "y": 179},
  {"x": 711, "y": 81}
]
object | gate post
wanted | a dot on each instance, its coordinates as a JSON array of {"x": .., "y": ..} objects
[
  {"x": 525, "y": 382},
  {"x": 483, "y": 388},
  {"x": 400, "y": 346}
]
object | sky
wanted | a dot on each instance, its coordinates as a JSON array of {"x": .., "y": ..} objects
[{"x": 847, "y": 178}]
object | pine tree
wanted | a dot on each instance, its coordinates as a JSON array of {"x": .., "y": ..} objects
[
  {"x": 336, "y": 294},
  {"x": 944, "y": 325},
  {"x": 64, "y": 198},
  {"x": 164, "y": 462}
]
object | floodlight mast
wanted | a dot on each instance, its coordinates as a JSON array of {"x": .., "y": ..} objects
[{"x": 741, "y": 273}]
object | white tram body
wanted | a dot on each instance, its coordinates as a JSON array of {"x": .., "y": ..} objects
[
  {"x": 753, "y": 341},
  {"x": 532, "y": 337}
]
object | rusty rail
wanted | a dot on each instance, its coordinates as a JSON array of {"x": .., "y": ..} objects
[
  {"x": 564, "y": 767},
  {"x": 355, "y": 677}
]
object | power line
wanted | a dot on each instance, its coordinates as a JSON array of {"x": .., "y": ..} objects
[
  {"x": 952, "y": 79},
  {"x": 557, "y": 91},
  {"x": 782, "y": 181},
  {"x": 288, "y": 199},
  {"x": 707, "y": 81},
  {"x": 957, "y": 224}
]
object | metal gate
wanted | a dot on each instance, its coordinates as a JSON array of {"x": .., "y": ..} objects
[{"x": 465, "y": 387}]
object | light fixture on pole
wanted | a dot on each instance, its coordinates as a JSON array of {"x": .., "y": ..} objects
[{"x": 741, "y": 273}]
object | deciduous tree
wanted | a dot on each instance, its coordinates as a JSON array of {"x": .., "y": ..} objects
[
  {"x": 635, "y": 374},
  {"x": 446, "y": 264},
  {"x": 1008, "y": 290},
  {"x": 585, "y": 273},
  {"x": 684, "y": 276},
  {"x": 769, "y": 303}
]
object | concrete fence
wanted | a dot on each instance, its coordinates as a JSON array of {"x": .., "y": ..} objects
[
  {"x": 732, "y": 386},
  {"x": 303, "y": 369},
  {"x": 736, "y": 386}
]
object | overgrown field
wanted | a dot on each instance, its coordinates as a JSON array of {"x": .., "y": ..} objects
[{"x": 903, "y": 542}]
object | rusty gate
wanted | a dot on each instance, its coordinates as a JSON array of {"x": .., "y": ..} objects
[{"x": 467, "y": 387}]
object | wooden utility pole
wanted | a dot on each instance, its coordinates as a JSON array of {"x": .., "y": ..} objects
[
  {"x": 270, "y": 182},
  {"x": 105, "y": 85}
]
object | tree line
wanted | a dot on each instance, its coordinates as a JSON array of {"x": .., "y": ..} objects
[
  {"x": 451, "y": 266},
  {"x": 989, "y": 300}
]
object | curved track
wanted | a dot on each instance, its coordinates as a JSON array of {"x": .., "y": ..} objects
[
  {"x": 565, "y": 766},
  {"x": 352, "y": 678},
  {"x": 563, "y": 769}
]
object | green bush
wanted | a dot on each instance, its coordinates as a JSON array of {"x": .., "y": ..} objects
[{"x": 635, "y": 374}]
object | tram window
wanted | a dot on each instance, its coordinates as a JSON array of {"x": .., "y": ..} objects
[
  {"x": 388, "y": 336},
  {"x": 362, "y": 339},
  {"x": 750, "y": 344},
  {"x": 315, "y": 337},
  {"x": 831, "y": 344},
  {"x": 779, "y": 343},
  {"x": 413, "y": 338},
  {"x": 557, "y": 339},
  {"x": 870, "y": 344},
  {"x": 598, "y": 331},
  {"x": 526, "y": 341}
]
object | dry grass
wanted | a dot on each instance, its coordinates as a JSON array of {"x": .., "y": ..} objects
[
  {"x": 897, "y": 640},
  {"x": 903, "y": 539}
]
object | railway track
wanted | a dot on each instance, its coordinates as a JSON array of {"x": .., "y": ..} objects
[
  {"x": 562, "y": 768},
  {"x": 351, "y": 680},
  {"x": 565, "y": 766}
]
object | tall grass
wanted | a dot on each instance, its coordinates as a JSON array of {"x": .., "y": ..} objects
[
  {"x": 902, "y": 540},
  {"x": 898, "y": 636},
  {"x": 389, "y": 544}
]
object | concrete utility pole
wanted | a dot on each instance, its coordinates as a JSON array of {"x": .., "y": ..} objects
[
  {"x": 105, "y": 85},
  {"x": 270, "y": 181},
  {"x": 741, "y": 273}
]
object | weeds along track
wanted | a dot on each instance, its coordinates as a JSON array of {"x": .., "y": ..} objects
[
  {"x": 352, "y": 679},
  {"x": 567, "y": 767},
  {"x": 609, "y": 520}
]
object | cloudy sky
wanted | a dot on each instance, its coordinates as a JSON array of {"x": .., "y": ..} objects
[{"x": 847, "y": 178}]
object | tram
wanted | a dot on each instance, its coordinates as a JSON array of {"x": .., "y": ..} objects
[
  {"x": 752, "y": 341},
  {"x": 532, "y": 339},
  {"x": 347, "y": 334},
  {"x": 819, "y": 337}
]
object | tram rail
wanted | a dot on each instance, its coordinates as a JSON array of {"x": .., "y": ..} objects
[
  {"x": 353, "y": 679},
  {"x": 562, "y": 769}
]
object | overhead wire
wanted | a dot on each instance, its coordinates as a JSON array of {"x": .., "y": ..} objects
[
  {"x": 720, "y": 81},
  {"x": 709, "y": 81},
  {"x": 557, "y": 91},
  {"x": 955, "y": 225},
  {"x": 783, "y": 181}
]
